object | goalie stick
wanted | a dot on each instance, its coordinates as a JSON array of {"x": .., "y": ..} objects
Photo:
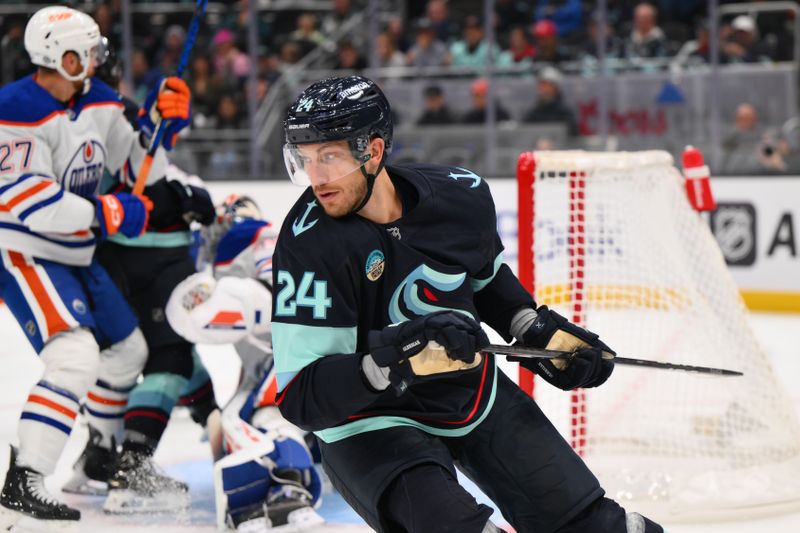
[
  {"x": 521, "y": 352},
  {"x": 155, "y": 140}
]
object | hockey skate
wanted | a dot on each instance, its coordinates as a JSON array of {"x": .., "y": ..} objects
[
  {"x": 137, "y": 486},
  {"x": 92, "y": 470},
  {"x": 289, "y": 504},
  {"x": 27, "y": 505}
]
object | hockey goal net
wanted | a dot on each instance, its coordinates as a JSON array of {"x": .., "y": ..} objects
[{"x": 610, "y": 241}]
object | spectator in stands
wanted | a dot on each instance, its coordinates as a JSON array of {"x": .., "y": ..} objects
[
  {"x": 343, "y": 15},
  {"x": 238, "y": 21},
  {"x": 169, "y": 55},
  {"x": 230, "y": 64},
  {"x": 109, "y": 28},
  {"x": 144, "y": 78},
  {"x": 614, "y": 45},
  {"x": 477, "y": 114},
  {"x": 550, "y": 106},
  {"x": 520, "y": 50},
  {"x": 647, "y": 40},
  {"x": 436, "y": 111},
  {"x": 696, "y": 51},
  {"x": 444, "y": 26},
  {"x": 749, "y": 149},
  {"x": 548, "y": 48},
  {"x": 510, "y": 14},
  {"x": 566, "y": 14},
  {"x": 14, "y": 58},
  {"x": 348, "y": 57},
  {"x": 307, "y": 35},
  {"x": 205, "y": 93},
  {"x": 228, "y": 115},
  {"x": 743, "y": 45},
  {"x": 471, "y": 50},
  {"x": 387, "y": 53},
  {"x": 427, "y": 51},
  {"x": 395, "y": 27}
]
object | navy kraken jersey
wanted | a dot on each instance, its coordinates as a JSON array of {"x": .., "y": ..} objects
[{"x": 337, "y": 279}]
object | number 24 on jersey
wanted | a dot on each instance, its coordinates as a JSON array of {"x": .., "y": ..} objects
[{"x": 287, "y": 301}]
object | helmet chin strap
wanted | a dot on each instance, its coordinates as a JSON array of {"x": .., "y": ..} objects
[{"x": 370, "y": 185}]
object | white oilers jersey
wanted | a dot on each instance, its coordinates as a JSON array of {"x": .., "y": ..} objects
[{"x": 52, "y": 158}]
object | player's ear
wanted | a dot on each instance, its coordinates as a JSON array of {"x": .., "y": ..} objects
[
  {"x": 71, "y": 63},
  {"x": 376, "y": 149}
]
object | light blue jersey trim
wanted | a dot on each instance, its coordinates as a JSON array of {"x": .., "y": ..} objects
[
  {"x": 297, "y": 346},
  {"x": 173, "y": 239},
  {"x": 376, "y": 423},
  {"x": 479, "y": 284}
]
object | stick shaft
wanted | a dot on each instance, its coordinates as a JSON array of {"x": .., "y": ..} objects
[
  {"x": 521, "y": 352},
  {"x": 158, "y": 135}
]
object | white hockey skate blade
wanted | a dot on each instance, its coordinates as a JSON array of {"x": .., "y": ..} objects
[
  {"x": 17, "y": 522},
  {"x": 259, "y": 524},
  {"x": 81, "y": 484},
  {"x": 300, "y": 520},
  {"x": 125, "y": 501}
]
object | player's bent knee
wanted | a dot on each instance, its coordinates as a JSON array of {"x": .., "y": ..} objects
[
  {"x": 271, "y": 420},
  {"x": 427, "y": 497},
  {"x": 122, "y": 363},
  {"x": 71, "y": 360}
]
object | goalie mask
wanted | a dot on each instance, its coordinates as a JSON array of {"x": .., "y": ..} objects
[
  {"x": 53, "y": 31},
  {"x": 351, "y": 109}
]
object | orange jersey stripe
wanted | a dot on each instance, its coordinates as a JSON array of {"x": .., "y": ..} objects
[
  {"x": 41, "y": 400},
  {"x": 53, "y": 320},
  {"x": 105, "y": 401},
  {"x": 25, "y": 195}
]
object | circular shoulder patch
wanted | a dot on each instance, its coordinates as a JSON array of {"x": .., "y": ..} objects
[{"x": 375, "y": 265}]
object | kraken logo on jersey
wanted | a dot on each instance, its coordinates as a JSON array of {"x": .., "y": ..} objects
[
  {"x": 411, "y": 299},
  {"x": 85, "y": 170}
]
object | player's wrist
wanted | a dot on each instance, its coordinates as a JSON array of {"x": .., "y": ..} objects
[{"x": 376, "y": 376}]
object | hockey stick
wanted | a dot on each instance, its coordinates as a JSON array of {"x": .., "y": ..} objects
[
  {"x": 194, "y": 26},
  {"x": 520, "y": 352}
]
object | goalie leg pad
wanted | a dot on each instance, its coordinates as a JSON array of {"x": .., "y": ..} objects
[{"x": 246, "y": 478}]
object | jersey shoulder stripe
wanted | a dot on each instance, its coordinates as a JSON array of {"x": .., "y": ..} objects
[{"x": 26, "y": 103}]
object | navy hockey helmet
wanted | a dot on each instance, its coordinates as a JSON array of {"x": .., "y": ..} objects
[{"x": 351, "y": 108}]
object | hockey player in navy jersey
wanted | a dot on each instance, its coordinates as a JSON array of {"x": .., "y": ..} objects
[
  {"x": 59, "y": 130},
  {"x": 267, "y": 480},
  {"x": 382, "y": 276}
]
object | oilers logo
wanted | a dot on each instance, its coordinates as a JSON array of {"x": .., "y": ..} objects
[
  {"x": 414, "y": 298},
  {"x": 85, "y": 169}
]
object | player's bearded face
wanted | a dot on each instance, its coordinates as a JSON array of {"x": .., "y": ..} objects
[{"x": 334, "y": 174}]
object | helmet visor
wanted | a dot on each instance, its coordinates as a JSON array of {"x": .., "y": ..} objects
[
  {"x": 100, "y": 52},
  {"x": 321, "y": 163}
]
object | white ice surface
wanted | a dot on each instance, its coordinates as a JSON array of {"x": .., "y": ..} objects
[{"x": 185, "y": 455}]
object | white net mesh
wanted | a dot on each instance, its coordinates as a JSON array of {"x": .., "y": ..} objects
[{"x": 618, "y": 247}]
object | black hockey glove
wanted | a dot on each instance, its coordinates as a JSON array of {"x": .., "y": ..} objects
[
  {"x": 176, "y": 203},
  {"x": 393, "y": 346},
  {"x": 588, "y": 368}
]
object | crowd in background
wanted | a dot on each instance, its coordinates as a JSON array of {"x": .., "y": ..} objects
[
  {"x": 432, "y": 33},
  {"x": 541, "y": 40}
]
